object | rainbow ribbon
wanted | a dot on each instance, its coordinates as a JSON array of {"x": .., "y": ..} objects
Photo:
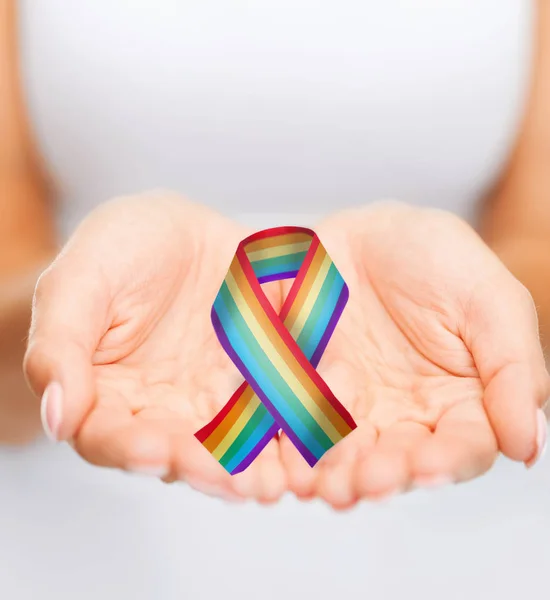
[{"x": 278, "y": 354}]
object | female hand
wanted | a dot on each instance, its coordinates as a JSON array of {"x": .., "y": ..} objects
[
  {"x": 437, "y": 357},
  {"x": 121, "y": 333}
]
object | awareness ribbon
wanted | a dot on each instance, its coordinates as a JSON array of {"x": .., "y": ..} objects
[{"x": 278, "y": 354}]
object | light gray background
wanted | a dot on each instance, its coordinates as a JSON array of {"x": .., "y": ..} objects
[
  {"x": 288, "y": 109},
  {"x": 70, "y": 531}
]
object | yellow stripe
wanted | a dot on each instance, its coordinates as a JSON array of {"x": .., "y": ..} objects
[
  {"x": 286, "y": 353},
  {"x": 278, "y": 251},
  {"x": 308, "y": 281},
  {"x": 312, "y": 295},
  {"x": 278, "y": 362},
  {"x": 215, "y": 438},
  {"x": 238, "y": 426},
  {"x": 278, "y": 240}
]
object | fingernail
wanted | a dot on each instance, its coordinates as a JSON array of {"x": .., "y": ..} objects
[
  {"x": 542, "y": 433},
  {"x": 149, "y": 470},
  {"x": 51, "y": 410},
  {"x": 433, "y": 481}
]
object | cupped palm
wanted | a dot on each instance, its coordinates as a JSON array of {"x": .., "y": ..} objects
[
  {"x": 436, "y": 356},
  {"x": 123, "y": 318}
]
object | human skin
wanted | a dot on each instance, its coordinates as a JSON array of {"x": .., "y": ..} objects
[
  {"x": 437, "y": 355},
  {"x": 27, "y": 239},
  {"x": 514, "y": 221}
]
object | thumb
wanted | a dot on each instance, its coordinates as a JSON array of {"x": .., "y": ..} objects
[
  {"x": 503, "y": 337},
  {"x": 68, "y": 320}
]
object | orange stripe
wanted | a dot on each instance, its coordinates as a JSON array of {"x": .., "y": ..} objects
[
  {"x": 216, "y": 437},
  {"x": 278, "y": 240},
  {"x": 286, "y": 354}
]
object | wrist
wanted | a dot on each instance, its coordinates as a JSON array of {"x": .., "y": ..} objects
[
  {"x": 19, "y": 409},
  {"x": 528, "y": 259}
]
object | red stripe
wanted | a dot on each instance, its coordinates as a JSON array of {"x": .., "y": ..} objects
[
  {"x": 287, "y": 338},
  {"x": 273, "y": 232},
  {"x": 299, "y": 278}
]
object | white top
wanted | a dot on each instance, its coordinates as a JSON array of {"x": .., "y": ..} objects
[{"x": 274, "y": 107}]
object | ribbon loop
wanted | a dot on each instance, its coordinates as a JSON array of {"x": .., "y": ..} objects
[{"x": 277, "y": 354}]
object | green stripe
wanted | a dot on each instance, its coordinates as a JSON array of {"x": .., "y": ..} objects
[
  {"x": 318, "y": 306},
  {"x": 270, "y": 371},
  {"x": 244, "y": 434},
  {"x": 279, "y": 264}
]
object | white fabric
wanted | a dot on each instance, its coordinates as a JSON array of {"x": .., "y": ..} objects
[{"x": 278, "y": 107}]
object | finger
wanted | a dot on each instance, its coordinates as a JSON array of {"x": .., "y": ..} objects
[
  {"x": 190, "y": 462},
  {"x": 463, "y": 446},
  {"x": 272, "y": 474},
  {"x": 247, "y": 484},
  {"x": 113, "y": 437},
  {"x": 69, "y": 318},
  {"x": 386, "y": 469},
  {"x": 193, "y": 463},
  {"x": 265, "y": 479},
  {"x": 336, "y": 479},
  {"x": 502, "y": 334},
  {"x": 301, "y": 477}
]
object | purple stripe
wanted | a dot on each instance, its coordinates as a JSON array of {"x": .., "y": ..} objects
[
  {"x": 224, "y": 341},
  {"x": 338, "y": 309},
  {"x": 247, "y": 460},
  {"x": 277, "y": 276}
]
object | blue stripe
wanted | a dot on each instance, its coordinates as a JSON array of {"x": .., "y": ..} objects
[
  {"x": 250, "y": 353},
  {"x": 265, "y": 266},
  {"x": 251, "y": 442},
  {"x": 259, "y": 367},
  {"x": 317, "y": 307},
  {"x": 264, "y": 370},
  {"x": 327, "y": 311}
]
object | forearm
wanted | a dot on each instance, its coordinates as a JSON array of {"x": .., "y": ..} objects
[
  {"x": 517, "y": 227},
  {"x": 529, "y": 261},
  {"x": 27, "y": 245},
  {"x": 19, "y": 409},
  {"x": 516, "y": 219},
  {"x": 27, "y": 237},
  {"x": 521, "y": 240}
]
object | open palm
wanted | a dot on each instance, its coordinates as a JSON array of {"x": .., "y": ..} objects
[
  {"x": 122, "y": 322},
  {"x": 436, "y": 356}
]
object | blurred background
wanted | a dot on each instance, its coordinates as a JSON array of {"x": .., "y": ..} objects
[
  {"x": 263, "y": 107},
  {"x": 274, "y": 113}
]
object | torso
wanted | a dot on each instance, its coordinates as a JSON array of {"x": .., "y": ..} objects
[
  {"x": 270, "y": 111},
  {"x": 276, "y": 106}
]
